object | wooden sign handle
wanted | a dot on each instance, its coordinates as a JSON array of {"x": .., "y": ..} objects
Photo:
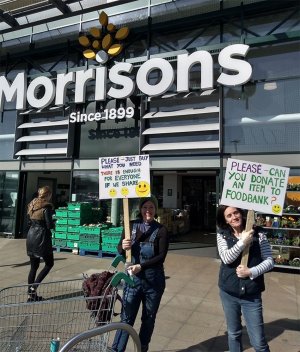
[
  {"x": 249, "y": 224},
  {"x": 127, "y": 227}
]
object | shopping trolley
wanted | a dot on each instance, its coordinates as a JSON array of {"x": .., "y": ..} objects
[{"x": 30, "y": 326}]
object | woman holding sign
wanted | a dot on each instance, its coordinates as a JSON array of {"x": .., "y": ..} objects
[
  {"x": 149, "y": 245},
  {"x": 241, "y": 285}
]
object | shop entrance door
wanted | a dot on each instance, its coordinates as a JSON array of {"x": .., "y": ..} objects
[
  {"x": 30, "y": 182},
  {"x": 199, "y": 198}
]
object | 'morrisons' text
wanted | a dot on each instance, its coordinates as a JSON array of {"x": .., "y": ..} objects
[{"x": 18, "y": 90}]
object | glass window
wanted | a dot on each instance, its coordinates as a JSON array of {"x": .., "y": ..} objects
[
  {"x": 8, "y": 197},
  {"x": 7, "y": 134},
  {"x": 275, "y": 61},
  {"x": 158, "y": 189},
  {"x": 112, "y": 136},
  {"x": 86, "y": 189},
  {"x": 262, "y": 117},
  {"x": 189, "y": 39}
]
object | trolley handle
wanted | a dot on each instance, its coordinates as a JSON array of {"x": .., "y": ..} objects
[
  {"x": 118, "y": 259},
  {"x": 116, "y": 279}
]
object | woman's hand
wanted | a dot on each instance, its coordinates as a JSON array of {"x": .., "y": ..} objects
[
  {"x": 134, "y": 269},
  {"x": 126, "y": 244},
  {"x": 243, "y": 271},
  {"x": 246, "y": 237}
]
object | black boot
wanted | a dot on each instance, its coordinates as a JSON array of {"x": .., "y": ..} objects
[{"x": 32, "y": 295}]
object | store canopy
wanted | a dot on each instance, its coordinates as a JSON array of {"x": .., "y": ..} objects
[{"x": 18, "y": 14}]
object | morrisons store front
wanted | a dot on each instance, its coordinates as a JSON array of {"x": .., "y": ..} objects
[{"x": 189, "y": 82}]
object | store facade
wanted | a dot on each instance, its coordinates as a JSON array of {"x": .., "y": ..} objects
[{"x": 158, "y": 100}]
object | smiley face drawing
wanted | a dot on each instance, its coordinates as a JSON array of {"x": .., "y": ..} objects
[
  {"x": 276, "y": 208},
  {"x": 142, "y": 189},
  {"x": 124, "y": 191},
  {"x": 112, "y": 192}
]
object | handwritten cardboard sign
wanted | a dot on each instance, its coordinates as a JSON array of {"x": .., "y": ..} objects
[
  {"x": 124, "y": 177},
  {"x": 256, "y": 186}
]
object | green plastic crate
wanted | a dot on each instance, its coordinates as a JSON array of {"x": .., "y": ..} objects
[
  {"x": 94, "y": 230},
  {"x": 61, "y": 228},
  {"x": 74, "y": 229},
  {"x": 89, "y": 245},
  {"x": 79, "y": 206},
  {"x": 76, "y": 222},
  {"x": 74, "y": 214},
  {"x": 116, "y": 230},
  {"x": 60, "y": 213},
  {"x": 110, "y": 248},
  {"x": 111, "y": 239},
  {"x": 61, "y": 235},
  {"x": 60, "y": 242},
  {"x": 73, "y": 236},
  {"x": 72, "y": 244},
  {"x": 105, "y": 233},
  {"x": 90, "y": 238},
  {"x": 61, "y": 221}
]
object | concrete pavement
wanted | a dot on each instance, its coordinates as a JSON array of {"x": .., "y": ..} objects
[{"x": 190, "y": 317}]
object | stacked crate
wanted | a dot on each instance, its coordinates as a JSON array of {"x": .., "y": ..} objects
[
  {"x": 89, "y": 238},
  {"x": 78, "y": 214},
  {"x": 68, "y": 221},
  {"x": 110, "y": 239},
  {"x": 61, "y": 228}
]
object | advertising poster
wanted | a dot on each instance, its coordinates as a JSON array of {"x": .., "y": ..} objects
[
  {"x": 256, "y": 186},
  {"x": 124, "y": 177}
]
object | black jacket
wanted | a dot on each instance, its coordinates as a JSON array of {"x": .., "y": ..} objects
[
  {"x": 39, "y": 241},
  {"x": 228, "y": 279}
]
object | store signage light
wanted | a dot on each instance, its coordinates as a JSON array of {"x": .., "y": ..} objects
[{"x": 240, "y": 73}]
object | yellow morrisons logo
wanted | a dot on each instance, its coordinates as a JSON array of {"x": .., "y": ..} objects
[{"x": 101, "y": 44}]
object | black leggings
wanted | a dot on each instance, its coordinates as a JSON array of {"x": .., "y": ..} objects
[{"x": 34, "y": 265}]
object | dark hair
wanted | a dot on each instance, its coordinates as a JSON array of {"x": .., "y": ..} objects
[
  {"x": 221, "y": 222},
  {"x": 143, "y": 200}
]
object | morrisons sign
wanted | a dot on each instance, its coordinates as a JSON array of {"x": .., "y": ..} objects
[{"x": 231, "y": 59}]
